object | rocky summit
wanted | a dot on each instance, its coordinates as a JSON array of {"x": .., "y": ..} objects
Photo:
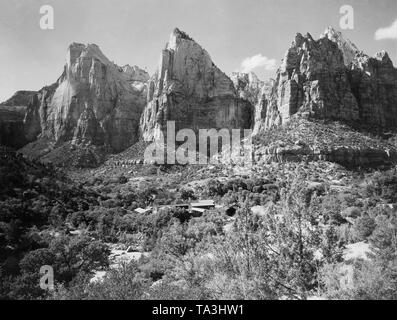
[
  {"x": 330, "y": 78},
  {"x": 94, "y": 102},
  {"x": 97, "y": 108},
  {"x": 348, "y": 48},
  {"x": 191, "y": 90}
]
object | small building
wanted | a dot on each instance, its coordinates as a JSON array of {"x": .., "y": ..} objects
[
  {"x": 205, "y": 204},
  {"x": 181, "y": 205},
  {"x": 141, "y": 210},
  {"x": 198, "y": 210}
]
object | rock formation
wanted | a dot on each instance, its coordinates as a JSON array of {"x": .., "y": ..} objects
[
  {"x": 93, "y": 102},
  {"x": 96, "y": 107},
  {"x": 12, "y": 113},
  {"x": 311, "y": 140},
  {"x": 11, "y": 128},
  {"x": 374, "y": 84},
  {"x": 330, "y": 79},
  {"x": 189, "y": 89},
  {"x": 19, "y": 99},
  {"x": 261, "y": 103},
  {"x": 248, "y": 86},
  {"x": 348, "y": 48}
]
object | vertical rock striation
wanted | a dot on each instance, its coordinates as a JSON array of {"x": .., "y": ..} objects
[
  {"x": 93, "y": 102},
  {"x": 248, "y": 86},
  {"x": 330, "y": 78},
  {"x": 189, "y": 89},
  {"x": 374, "y": 84},
  {"x": 348, "y": 48}
]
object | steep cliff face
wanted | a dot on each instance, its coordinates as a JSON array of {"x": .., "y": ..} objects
[
  {"x": 374, "y": 84},
  {"x": 348, "y": 48},
  {"x": 36, "y": 113},
  {"x": 12, "y": 112},
  {"x": 312, "y": 78},
  {"x": 248, "y": 86},
  {"x": 11, "y": 127},
  {"x": 259, "y": 122},
  {"x": 330, "y": 79},
  {"x": 19, "y": 99},
  {"x": 373, "y": 81},
  {"x": 93, "y": 102},
  {"x": 189, "y": 89}
]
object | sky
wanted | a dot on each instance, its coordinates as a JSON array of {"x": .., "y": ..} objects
[{"x": 249, "y": 35}]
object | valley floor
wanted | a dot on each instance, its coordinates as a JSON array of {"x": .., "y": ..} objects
[{"x": 291, "y": 230}]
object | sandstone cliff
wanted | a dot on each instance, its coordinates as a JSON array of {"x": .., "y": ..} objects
[
  {"x": 97, "y": 107},
  {"x": 248, "y": 86},
  {"x": 374, "y": 84},
  {"x": 12, "y": 113},
  {"x": 189, "y": 89},
  {"x": 20, "y": 98},
  {"x": 348, "y": 48},
  {"x": 261, "y": 103},
  {"x": 330, "y": 79},
  {"x": 93, "y": 102}
]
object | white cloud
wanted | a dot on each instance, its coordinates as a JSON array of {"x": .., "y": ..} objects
[
  {"x": 257, "y": 61},
  {"x": 387, "y": 33}
]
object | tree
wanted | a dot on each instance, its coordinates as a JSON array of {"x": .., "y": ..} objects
[
  {"x": 34, "y": 260},
  {"x": 383, "y": 242},
  {"x": 331, "y": 246},
  {"x": 376, "y": 278},
  {"x": 77, "y": 255}
]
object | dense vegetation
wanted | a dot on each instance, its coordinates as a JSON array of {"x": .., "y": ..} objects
[{"x": 291, "y": 248}]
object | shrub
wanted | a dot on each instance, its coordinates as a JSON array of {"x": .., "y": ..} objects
[
  {"x": 363, "y": 227},
  {"x": 187, "y": 194}
]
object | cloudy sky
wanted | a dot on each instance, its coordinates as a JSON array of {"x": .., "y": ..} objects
[{"x": 239, "y": 35}]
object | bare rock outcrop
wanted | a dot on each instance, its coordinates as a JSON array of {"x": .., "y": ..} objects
[
  {"x": 312, "y": 140},
  {"x": 348, "y": 48},
  {"x": 312, "y": 79},
  {"x": 330, "y": 78},
  {"x": 93, "y": 102},
  {"x": 191, "y": 90},
  {"x": 259, "y": 122},
  {"x": 248, "y": 86},
  {"x": 373, "y": 82},
  {"x": 19, "y": 99}
]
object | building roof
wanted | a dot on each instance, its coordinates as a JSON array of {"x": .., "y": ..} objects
[
  {"x": 204, "y": 203},
  {"x": 141, "y": 210},
  {"x": 201, "y": 210},
  {"x": 184, "y": 205}
]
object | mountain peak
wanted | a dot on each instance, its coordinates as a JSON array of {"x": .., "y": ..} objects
[
  {"x": 192, "y": 91},
  {"x": 332, "y": 34},
  {"x": 347, "y": 47},
  {"x": 134, "y": 73},
  {"x": 176, "y": 37},
  {"x": 180, "y": 34},
  {"x": 76, "y": 50},
  {"x": 331, "y": 31},
  {"x": 382, "y": 56},
  {"x": 298, "y": 39}
]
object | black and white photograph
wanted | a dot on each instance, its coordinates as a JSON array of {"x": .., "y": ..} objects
[{"x": 201, "y": 150}]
